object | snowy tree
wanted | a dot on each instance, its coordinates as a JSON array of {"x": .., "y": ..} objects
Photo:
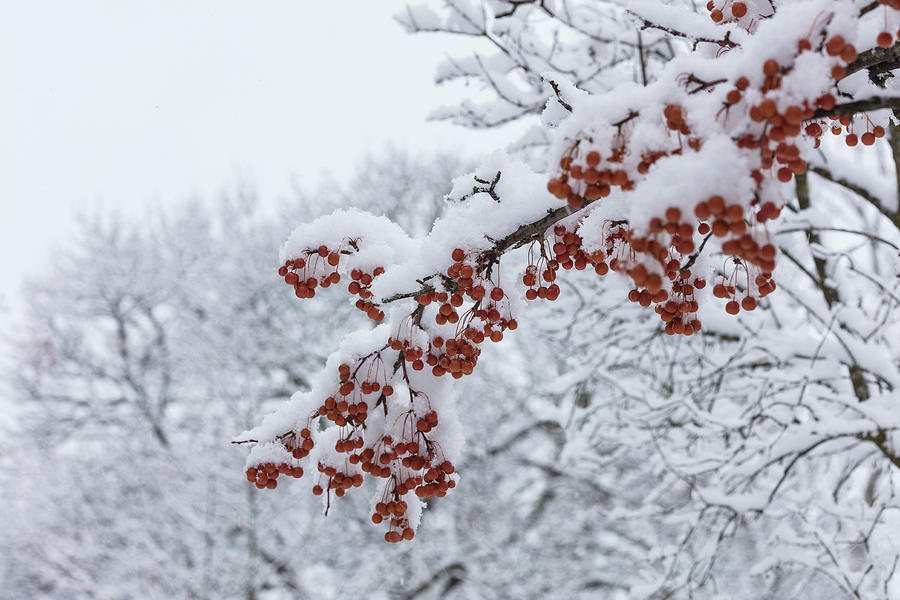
[
  {"x": 146, "y": 345},
  {"x": 119, "y": 485},
  {"x": 695, "y": 158}
]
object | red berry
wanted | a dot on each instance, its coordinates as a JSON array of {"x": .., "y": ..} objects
[{"x": 835, "y": 45}]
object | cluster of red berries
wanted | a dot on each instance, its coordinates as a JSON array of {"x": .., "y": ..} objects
[
  {"x": 394, "y": 511},
  {"x": 446, "y": 312},
  {"x": 844, "y": 124},
  {"x": 621, "y": 246},
  {"x": 420, "y": 470},
  {"x": 435, "y": 482},
  {"x": 319, "y": 267},
  {"x": 727, "y": 290},
  {"x": 675, "y": 121},
  {"x": 338, "y": 481},
  {"x": 658, "y": 262},
  {"x": 562, "y": 250},
  {"x": 413, "y": 463},
  {"x": 360, "y": 285},
  {"x": 613, "y": 246},
  {"x": 457, "y": 356},
  {"x": 583, "y": 179},
  {"x": 299, "y": 445},
  {"x": 348, "y": 405},
  {"x": 655, "y": 266},
  {"x": 581, "y": 183},
  {"x": 469, "y": 276},
  {"x": 265, "y": 475},
  {"x": 679, "y": 312},
  {"x": 726, "y": 12},
  {"x": 566, "y": 247},
  {"x": 658, "y": 257}
]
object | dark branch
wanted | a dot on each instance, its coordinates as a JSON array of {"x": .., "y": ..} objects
[
  {"x": 555, "y": 87},
  {"x": 724, "y": 42},
  {"x": 878, "y": 60},
  {"x": 859, "y": 106}
]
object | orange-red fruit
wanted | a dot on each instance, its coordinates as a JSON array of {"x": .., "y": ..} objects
[
  {"x": 885, "y": 39},
  {"x": 848, "y": 54},
  {"x": 739, "y": 9},
  {"x": 826, "y": 102},
  {"x": 732, "y": 308},
  {"x": 835, "y": 45},
  {"x": 673, "y": 215}
]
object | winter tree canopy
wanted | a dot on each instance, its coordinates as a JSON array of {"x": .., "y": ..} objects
[{"x": 732, "y": 171}]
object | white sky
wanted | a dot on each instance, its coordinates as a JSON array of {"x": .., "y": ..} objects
[{"x": 120, "y": 104}]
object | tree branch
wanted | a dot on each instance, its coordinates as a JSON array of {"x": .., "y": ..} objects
[
  {"x": 859, "y": 106},
  {"x": 877, "y": 60}
]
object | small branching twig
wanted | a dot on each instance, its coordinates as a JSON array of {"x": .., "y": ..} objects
[
  {"x": 559, "y": 97},
  {"x": 725, "y": 42}
]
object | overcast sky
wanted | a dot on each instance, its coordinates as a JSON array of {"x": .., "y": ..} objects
[{"x": 121, "y": 104}]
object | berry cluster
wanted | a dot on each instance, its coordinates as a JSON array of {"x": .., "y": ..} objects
[
  {"x": 338, "y": 481},
  {"x": 656, "y": 265},
  {"x": 581, "y": 183},
  {"x": 304, "y": 274},
  {"x": 659, "y": 260},
  {"x": 561, "y": 250},
  {"x": 319, "y": 268},
  {"x": 360, "y": 285},
  {"x": 410, "y": 461},
  {"x": 487, "y": 318},
  {"x": 729, "y": 11},
  {"x": 265, "y": 475}
]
